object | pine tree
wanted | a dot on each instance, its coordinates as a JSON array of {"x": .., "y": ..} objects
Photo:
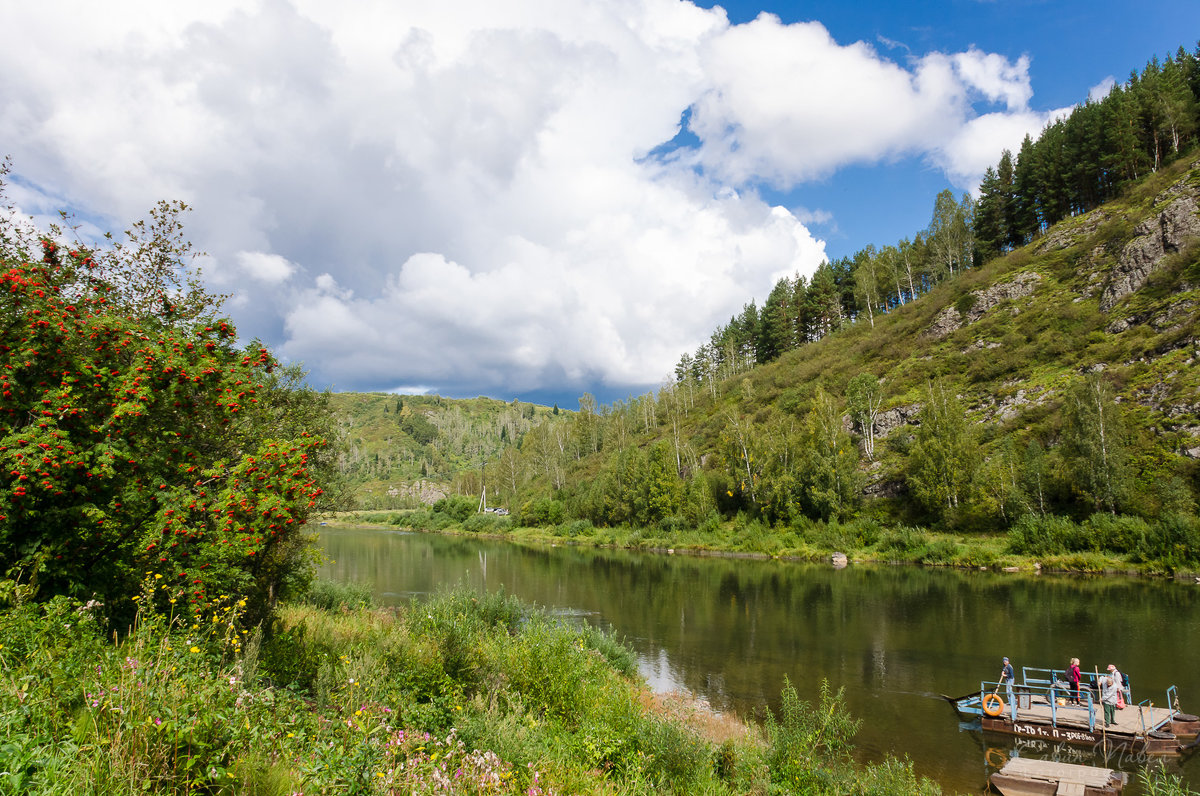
[
  {"x": 990, "y": 232},
  {"x": 776, "y": 325},
  {"x": 1024, "y": 222}
]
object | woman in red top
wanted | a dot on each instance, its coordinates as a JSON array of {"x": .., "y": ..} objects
[{"x": 1074, "y": 677}]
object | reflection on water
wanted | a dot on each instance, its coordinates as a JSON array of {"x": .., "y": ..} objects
[{"x": 895, "y": 638}]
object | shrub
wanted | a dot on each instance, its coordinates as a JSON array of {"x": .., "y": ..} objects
[
  {"x": 487, "y": 523},
  {"x": 676, "y": 757},
  {"x": 457, "y": 507},
  {"x": 1173, "y": 540},
  {"x": 802, "y": 741},
  {"x": 169, "y": 447},
  {"x": 288, "y": 661},
  {"x": 578, "y": 528},
  {"x": 904, "y": 543},
  {"x": 541, "y": 512},
  {"x": 1043, "y": 535},
  {"x": 942, "y": 551},
  {"x": 1115, "y": 533}
]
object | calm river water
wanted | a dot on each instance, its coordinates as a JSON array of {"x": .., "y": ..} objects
[{"x": 895, "y": 638}]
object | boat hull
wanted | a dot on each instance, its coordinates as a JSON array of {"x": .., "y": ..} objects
[
  {"x": 1185, "y": 726},
  {"x": 1048, "y": 732}
]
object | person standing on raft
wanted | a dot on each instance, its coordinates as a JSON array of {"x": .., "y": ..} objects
[
  {"x": 1074, "y": 677},
  {"x": 1006, "y": 674},
  {"x": 1109, "y": 691}
]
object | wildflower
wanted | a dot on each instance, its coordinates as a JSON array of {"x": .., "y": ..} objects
[{"x": 195, "y": 649}]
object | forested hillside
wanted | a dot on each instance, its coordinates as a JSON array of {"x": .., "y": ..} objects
[
  {"x": 931, "y": 383},
  {"x": 1058, "y": 379},
  {"x": 401, "y": 451},
  {"x": 1026, "y": 364}
]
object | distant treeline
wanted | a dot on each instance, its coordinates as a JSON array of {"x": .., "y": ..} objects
[{"x": 1076, "y": 164}]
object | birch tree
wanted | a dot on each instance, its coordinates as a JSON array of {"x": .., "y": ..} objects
[
  {"x": 1094, "y": 442},
  {"x": 864, "y": 399}
]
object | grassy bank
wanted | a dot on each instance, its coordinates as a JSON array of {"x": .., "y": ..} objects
[
  {"x": 464, "y": 694},
  {"x": 1101, "y": 544}
]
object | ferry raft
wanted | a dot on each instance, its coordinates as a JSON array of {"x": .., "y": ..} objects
[
  {"x": 1041, "y": 706},
  {"x": 1024, "y": 777}
]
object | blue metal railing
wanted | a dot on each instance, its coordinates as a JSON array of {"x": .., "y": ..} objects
[{"x": 1017, "y": 695}]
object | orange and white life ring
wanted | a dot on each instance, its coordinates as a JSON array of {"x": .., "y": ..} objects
[{"x": 993, "y": 705}]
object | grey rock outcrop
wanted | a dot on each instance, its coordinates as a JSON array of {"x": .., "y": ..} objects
[
  {"x": 888, "y": 421},
  {"x": 1066, "y": 235},
  {"x": 1010, "y": 406},
  {"x": 1171, "y": 230},
  {"x": 950, "y": 319},
  {"x": 947, "y": 321},
  {"x": 427, "y": 492}
]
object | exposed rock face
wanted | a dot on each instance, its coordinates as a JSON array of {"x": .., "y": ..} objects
[
  {"x": 1009, "y": 407},
  {"x": 1191, "y": 448},
  {"x": 950, "y": 319},
  {"x": 1172, "y": 317},
  {"x": 1066, "y": 235},
  {"x": 890, "y": 420},
  {"x": 1022, "y": 286},
  {"x": 427, "y": 492},
  {"x": 1156, "y": 237},
  {"x": 885, "y": 489},
  {"x": 947, "y": 321}
]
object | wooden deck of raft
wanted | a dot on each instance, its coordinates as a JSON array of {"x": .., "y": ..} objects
[
  {"x": 1128, "y": 721},
  {"x": 1066, "y": 779}
]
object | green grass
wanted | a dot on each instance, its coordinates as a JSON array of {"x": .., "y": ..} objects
[{"x": 464, "y": 694}]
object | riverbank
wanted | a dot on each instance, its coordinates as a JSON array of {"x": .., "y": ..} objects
[
  {"x": 859, "y": 541},
  {"x": 466, "y": 693}
]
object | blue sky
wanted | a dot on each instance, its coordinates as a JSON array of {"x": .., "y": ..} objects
[
  {"x": 1072, "y": 47},
  {"x": 481, "y": 198}
]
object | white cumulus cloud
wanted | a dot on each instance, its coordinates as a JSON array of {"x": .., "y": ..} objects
[
  {"x": 470, "y": 195},
  {"x": 270, "y": 269}
]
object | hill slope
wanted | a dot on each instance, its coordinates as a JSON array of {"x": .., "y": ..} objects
[
  {"x": 1060, "y": 378},
  {"x": 406, "y": 450}
]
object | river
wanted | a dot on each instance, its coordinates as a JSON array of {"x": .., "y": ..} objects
[{"x": 894, "y": 637}]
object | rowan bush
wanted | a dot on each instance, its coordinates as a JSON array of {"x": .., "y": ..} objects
[{"x": 140, "y": 438}]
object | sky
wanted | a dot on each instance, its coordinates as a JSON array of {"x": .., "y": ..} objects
[{"x": 533, "y": 199}]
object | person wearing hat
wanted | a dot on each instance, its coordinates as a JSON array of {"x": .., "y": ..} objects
[
  {"x": 1109, "y": 691},
  {"x": 1006, "y": 673},
  {"x": 1119, "y": 682}
]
